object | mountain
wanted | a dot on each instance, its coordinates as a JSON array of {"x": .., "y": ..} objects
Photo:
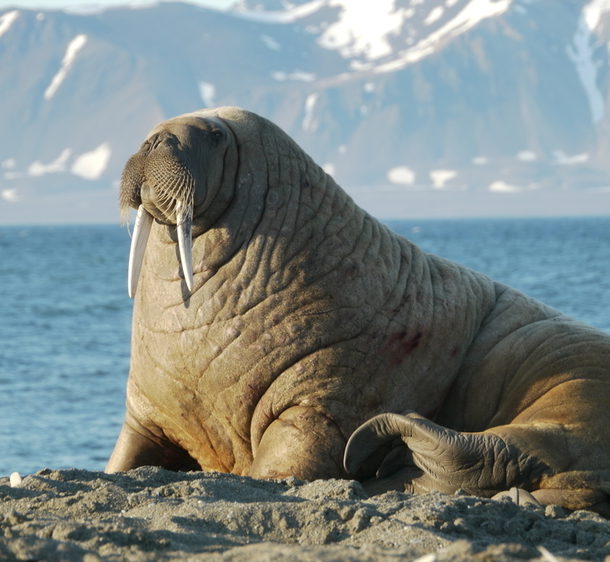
[{"x": 416, "y": 107}]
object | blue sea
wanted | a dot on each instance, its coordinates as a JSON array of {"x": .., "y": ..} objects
[{"x": 65, "y": 318}]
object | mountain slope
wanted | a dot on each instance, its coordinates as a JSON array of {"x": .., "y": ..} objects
[{"x": 467, "y": 98}]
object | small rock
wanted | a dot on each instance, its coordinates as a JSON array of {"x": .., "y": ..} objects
[
  {"x": 555, "y": 511},
  {"x": 15, "y": 480}
]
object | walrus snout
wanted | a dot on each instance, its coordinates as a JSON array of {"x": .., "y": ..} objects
[
  {"x": 160, "y": 185},
  {"x": 160, "y": 178}
]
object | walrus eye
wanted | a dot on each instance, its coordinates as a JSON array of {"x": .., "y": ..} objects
[{"x": 216, "y": 135}]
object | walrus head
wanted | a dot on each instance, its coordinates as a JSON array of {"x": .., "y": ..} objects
[{"x": 173, "y": 178}]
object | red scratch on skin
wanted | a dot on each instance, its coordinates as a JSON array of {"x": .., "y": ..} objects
[{"x": 401, "y": 344}]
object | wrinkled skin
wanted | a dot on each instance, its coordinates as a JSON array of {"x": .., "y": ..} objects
[{"x": 307, "y": 318}]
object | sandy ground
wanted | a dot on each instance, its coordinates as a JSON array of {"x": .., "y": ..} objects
[{"x": 151, "y": 513}]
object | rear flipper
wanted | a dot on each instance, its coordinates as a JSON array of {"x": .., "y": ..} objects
[{"x": 410, "y": 453}]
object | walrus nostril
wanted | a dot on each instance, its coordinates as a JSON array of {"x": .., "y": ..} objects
[{"x": 162, "y": 138}]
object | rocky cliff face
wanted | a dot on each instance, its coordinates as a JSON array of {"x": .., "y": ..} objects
[{"x": 467, "y": 97}]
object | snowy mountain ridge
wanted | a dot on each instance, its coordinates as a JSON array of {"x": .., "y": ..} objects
[{"x": 394, "y": 98}]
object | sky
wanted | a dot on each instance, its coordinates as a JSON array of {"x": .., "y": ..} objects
[{"x": 88, "y": 4}]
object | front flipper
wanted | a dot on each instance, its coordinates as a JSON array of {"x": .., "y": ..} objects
[
  {"x": 136, "y": 448},
  {"x": 301, "y": 442},
  {"x": 416, "y": 455}
]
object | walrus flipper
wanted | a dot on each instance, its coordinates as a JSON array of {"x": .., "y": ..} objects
[
  {"x": 410, "y": 453},
  {"x": 135, "y": 448},
  {"x": 577, "y": 489},
  {"x": 417, "y": 455}
]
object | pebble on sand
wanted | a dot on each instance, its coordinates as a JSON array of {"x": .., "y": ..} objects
[{"x": 15, "y": 480}]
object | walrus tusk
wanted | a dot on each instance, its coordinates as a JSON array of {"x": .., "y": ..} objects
[
  {"x": 185, "y": 242},
  {"x": 141, "y": 230}
]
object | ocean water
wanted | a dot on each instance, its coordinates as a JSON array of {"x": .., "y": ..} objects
[{"x": 65, "y": 318}]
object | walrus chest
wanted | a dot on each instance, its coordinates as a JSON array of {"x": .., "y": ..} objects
[{"x": 206, "y": 411}]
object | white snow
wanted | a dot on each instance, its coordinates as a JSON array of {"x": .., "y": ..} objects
[
  {"x": 297, "y": 76},
  {"x": 58, "y": 165},
  {"x": 401, "y": 175},
  {"x": 363, "y": 28},
  {"x": 329, "y": 168},
  {"x": 66, "y": 64},
  {"x": 9, "y": 163},
  {"x": 7, "y": 20},
  {"x": 527, "y": 156},
  {"x": 309, "y": 123},
  {"x": 435, "y": 15},
  {"x": 91, "y": 165},
  {"x": 207, "y": 92},
  {"x": 503, "y": 187},
  {"x": 593, "y": 12},
  {"x": 369, "y": 87},
  {"x": 473, "y": 13},
  {"x": 582, "y": 53},
  {"x": 271, "y": 43},
  {"x": 10, "y": 195},
  {"x": 564, "y": 159},
  {"x": 441, "y": 177},
  {"x": 480, "y": 160},
  {"x": 285, "y": 16}
]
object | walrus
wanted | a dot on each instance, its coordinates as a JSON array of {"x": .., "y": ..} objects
[{"x": 279, "y": 330}]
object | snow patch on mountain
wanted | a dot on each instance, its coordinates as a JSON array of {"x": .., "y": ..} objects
[
  {"x": 56, "y": 166},
  {"x": 297, "y": 75},
  {"x": 500, "y": 186},
  {"x": 472, "y": 14},
  {"x": 363, "y": 28},
  {"x": 6, "y": 20},
  {"x": 207, "y": 92},
  {"x": 271, "y": 43},
  {"x": 309, "y": 123},
  {"x": 401, "y": 175},
  {"x": 527, "y": 156},
  {"x": 441, "y": 177},
  {"x": 434, "y": 15},
  {"x": 10, "y": 195},
  {"x": 66, "y": 64},
  {"x": 563, "y": 159},
  {"x": 91, "y": 165},
  {"x": 285, "y": 16},
  {"x": 329, "y": 168},
  {"x": 582, "y": 53}
]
